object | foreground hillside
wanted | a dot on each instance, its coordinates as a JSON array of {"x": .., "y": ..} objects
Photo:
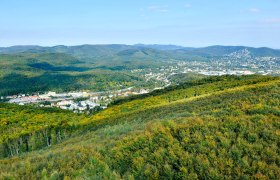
[{"x": 219, "y": 127}]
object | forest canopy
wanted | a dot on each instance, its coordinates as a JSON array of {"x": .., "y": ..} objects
[{"x": 213, "y": 128}]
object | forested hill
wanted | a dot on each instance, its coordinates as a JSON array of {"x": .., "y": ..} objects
[
  {"x": 215, "y": 128},
  {"x": 112, "y": 49},
  {"x": 33, "y": 69}
]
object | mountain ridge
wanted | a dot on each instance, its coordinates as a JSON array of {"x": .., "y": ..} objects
[{"x": 215, "y": 50}]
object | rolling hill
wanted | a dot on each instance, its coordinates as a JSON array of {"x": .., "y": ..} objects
[
  {"x": 223, "y": 127},
  {"x": 95, "y": 51},
  {"x": 224, "y": 50},
  {"x": 40, "y": 72},
  {"x": 32, "y": 69}
]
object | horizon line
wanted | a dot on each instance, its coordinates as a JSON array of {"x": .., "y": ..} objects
[{"x": 154, "y": 44}]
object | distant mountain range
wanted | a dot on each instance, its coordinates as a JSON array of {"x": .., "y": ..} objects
[
  {"x": 93, "y": 67},
  {"x": 94, "y": 51}
]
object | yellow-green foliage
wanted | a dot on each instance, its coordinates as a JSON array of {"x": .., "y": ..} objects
[{"x": 229, "y": 131}]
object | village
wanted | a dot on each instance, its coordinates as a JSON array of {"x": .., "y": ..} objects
[
  {"x": 77, "y": 102},
  {"x": 238, "y": 63}
]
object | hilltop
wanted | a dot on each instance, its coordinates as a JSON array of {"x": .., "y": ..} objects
[
  {"x": 215, "y": 127},
  {"x": 88, "y": 50}
]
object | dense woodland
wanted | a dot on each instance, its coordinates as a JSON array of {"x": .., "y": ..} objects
[
  {"x": 224, "y": 127},
  {"x": 41, "y": 72}
]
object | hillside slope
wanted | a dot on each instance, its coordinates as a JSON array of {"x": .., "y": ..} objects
[
  {"x": 40, "y": 71},
  {"x": 219, "y": 127}
]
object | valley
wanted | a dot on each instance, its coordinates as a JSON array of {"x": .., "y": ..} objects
[
  {"x": 139, "y": 112},
  {"x": 136, "y": 90},
  {"x": 28, "y": 69}
]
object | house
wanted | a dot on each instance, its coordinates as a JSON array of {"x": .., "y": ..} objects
[
  {"x": 44, "y": 96},
  {"x": 64, "y": 103},
  {"x": 82, "y": 108},
  {"x": 143, "y": 91},
  {"x": 94, "y": 99},
  {"x": 50, "y": 93}
]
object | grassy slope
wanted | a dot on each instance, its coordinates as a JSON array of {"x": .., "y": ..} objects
[{"x": 227, "y": 129}]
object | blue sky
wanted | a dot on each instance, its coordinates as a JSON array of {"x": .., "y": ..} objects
[{"x": 193, "y": 23}]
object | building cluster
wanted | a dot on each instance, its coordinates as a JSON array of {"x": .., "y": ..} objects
[
  {"x": 237, "y": 63},
  {"x": 74, "y": 101}
]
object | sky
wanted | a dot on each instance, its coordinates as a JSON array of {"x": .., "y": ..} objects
[{"x": 190, "y": 23}]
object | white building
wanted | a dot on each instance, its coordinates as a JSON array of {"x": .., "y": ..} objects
[
  {"x": 64, "y": 103},
  {"x": 50, "y": 93}
]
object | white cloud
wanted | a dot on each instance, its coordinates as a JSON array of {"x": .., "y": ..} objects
[
  {"x": 254, "y": 10},
  {"x": 158, "y": 8}
]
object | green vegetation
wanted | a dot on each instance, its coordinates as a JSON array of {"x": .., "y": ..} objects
[
  {"x": 184, "y": 77},
  {"x": 31, "y": 69},
  {"x": 213, "y": 128},
  {"x": 33, "y": 72},
  {"x": 61, "y": 82}
]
